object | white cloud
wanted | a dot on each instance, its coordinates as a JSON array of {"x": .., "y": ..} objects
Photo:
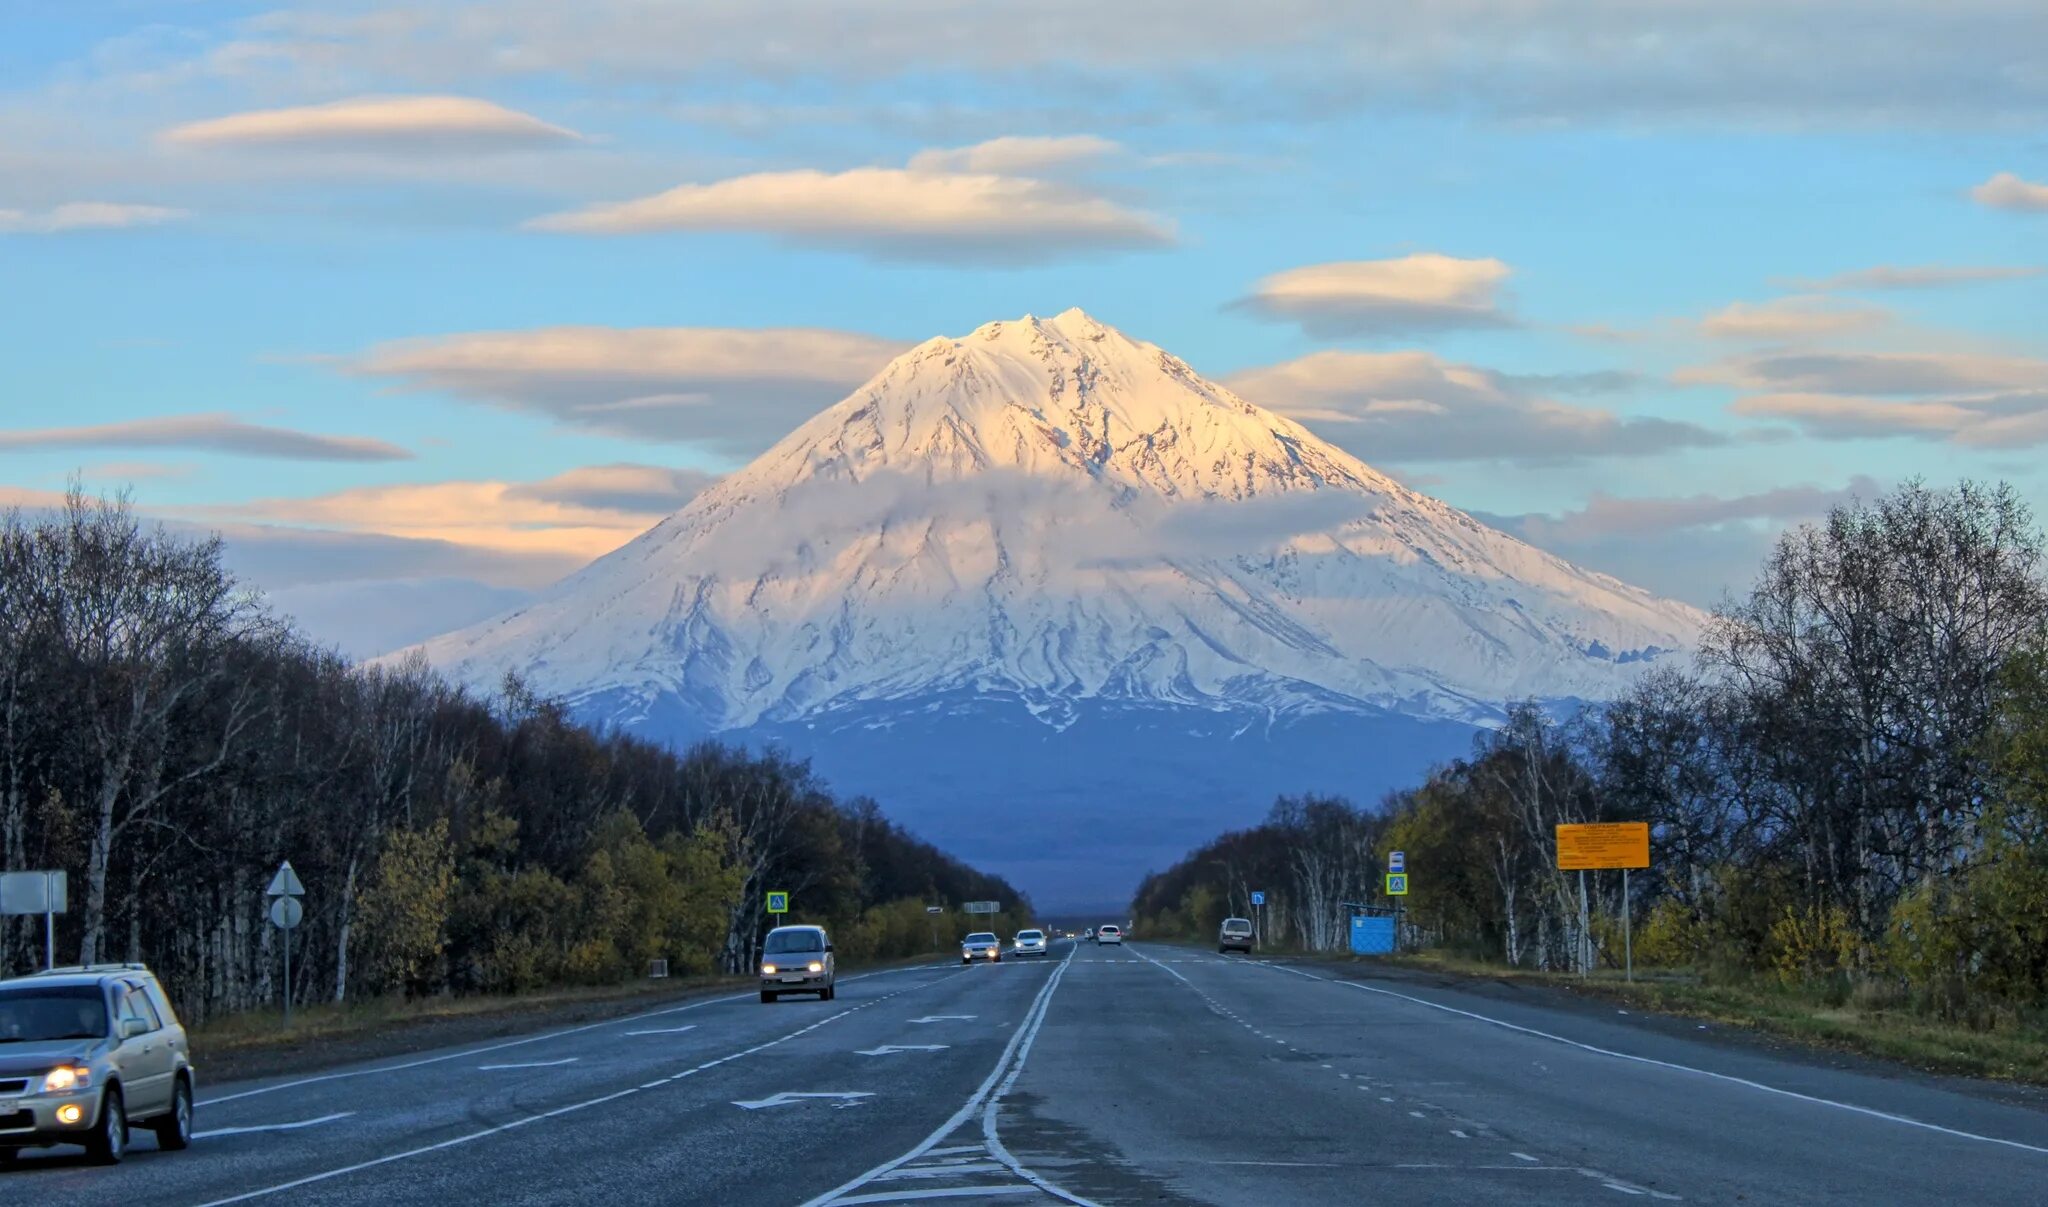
[
  {"x": 2006, "y": 191},
  {"x": 2011, "y": 420},
  {"x": 1791, "y": 318},
  {"x": 1882, "y": 373},
  {"x": 887, "y": 212},
  {"x": 211, "y": 433},
  {"x": 84, "y": 215},
  {"x": 1421, "y": 292},
  {"x": 1413, "y": 406},
  {"x": 1914, "y": 276},
  {"x": 633, "y": 489},
  {"x": 425, "y": 123},
  {"x": 1963, "y": 398},
  {"x": 1016, "y": 156},
  {"x": 735, "y": 389}
]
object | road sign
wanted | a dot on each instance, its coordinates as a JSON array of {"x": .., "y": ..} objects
[
  {"x": 1397, "y": 884},
  {"x": 935, "y": 909},
  {"x": 982, "y": 907},
  {"x": 1612, "y": 844},
  {"x": 34, "y": 892},
  {"x": 1258, "y": 898},
  {"x": 286, "y": 912},
  {"x": 778, "y": 903},
  {"x": 1397, "y": 861},
  {"x": 285, "y": 883}
]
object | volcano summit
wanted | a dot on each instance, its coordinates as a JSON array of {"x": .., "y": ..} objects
[{"x": 1048, "y": 573}]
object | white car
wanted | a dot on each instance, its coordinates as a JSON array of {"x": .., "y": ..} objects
[
  {"x": 1028, "y": 943},
  {"x": 1109, "y": 934},
  {"x": 981, "y": 946}
]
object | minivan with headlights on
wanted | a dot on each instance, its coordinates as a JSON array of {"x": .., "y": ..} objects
[
  {"x": 797, "y": 959},
  {"x": 85, "y": 1052}
]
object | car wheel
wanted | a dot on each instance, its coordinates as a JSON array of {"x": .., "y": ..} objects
[
  {"x": 767, "y": 996},
  {"x": 828, "y": 993},
  {"x": 174, "y": 1131},
  {"x": 109, "y": 1142},
  {"x": 8, "y": 1157}
]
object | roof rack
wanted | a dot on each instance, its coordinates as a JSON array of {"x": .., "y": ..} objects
[{"x": 75, "y": 969}]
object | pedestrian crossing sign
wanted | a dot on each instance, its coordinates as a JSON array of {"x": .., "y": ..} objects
[
  {"x": 1397, "y": 884},
  {"x": 778, "y": 903}
]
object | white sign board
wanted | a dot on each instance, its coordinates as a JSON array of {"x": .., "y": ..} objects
[
  {"x": 1397, "y": 861},
  {"x": 981, "y": 907},
  {"x": 34, "y": 892}
]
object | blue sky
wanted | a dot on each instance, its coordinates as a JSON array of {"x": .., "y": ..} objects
[{"x": 422, "y": 304}]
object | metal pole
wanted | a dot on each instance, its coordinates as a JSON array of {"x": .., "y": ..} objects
[
  {"x": 1585, "y": 920},
  {"x": 1628, "y": 942},
  {"x": 49, "y": 920},
  {"x": 287, "y": 977}
]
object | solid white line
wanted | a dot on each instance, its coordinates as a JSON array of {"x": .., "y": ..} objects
[
  {"x": 990, "y": 1113},
  {"x": 1852, "y": 1108},
  {"x": 270, "y": 1127},
  {"x": 938, "y": 1192},
  {"x": 840, "y": 1193},
  {"x": 666, "y": 1030},
  {"x": 532, "y": 1064},
  {"x": 530, "y": 1039},
  {"x": 523, "y": 1121}
]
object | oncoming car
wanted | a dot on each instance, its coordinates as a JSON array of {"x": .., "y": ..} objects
[
  {"x": 1235, "y": 935},
  {"x": 1028, "y": 943},
  {"x": 1109, "y": 934},
  {"x": 982, "y": 946},
  {"x": 797, "y": 959},
  {"x": 84, "y": 1053}
]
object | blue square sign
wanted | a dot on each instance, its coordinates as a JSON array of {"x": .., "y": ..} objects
[{"x": 1258, "y": 898}]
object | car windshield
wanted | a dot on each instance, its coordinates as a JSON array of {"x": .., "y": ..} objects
[
  {"x": 1030, "y": 934},
  {"x": 781, "y": 942},
  {"x": 983, "y": 938},
  {"x": 49, "y": 1012}
]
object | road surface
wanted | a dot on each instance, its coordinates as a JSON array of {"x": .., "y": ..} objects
[{"x": 1145, "y": 1074}]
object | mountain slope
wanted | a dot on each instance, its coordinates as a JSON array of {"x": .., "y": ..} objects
[{"x": 1049, "y": 512}]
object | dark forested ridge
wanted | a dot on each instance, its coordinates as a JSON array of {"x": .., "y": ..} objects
[
  {"x": 168, "y": 742},
  {"x": 1850, "y": 791}
]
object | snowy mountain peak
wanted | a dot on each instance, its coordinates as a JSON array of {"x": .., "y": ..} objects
[{"x": 1049, "y": 512}]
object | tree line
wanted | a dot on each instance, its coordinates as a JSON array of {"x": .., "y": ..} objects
[
  {"x": 168, "y": 741},
  {"x": 1849, "y": 789}
]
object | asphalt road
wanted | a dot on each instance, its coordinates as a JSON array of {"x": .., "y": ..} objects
[{"x": 1146, "y": 1074}]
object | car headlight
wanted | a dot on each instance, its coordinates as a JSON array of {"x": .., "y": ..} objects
[
  {"x": 814, "y": 966},
  {"x": 65, "y": 1078},
  {"x": 767, "y": 970}
]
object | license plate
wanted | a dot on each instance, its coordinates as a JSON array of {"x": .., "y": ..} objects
[{"x": 791, "y": 980}]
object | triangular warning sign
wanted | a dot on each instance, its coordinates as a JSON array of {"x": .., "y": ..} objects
[{"x": 285, "y": 883}]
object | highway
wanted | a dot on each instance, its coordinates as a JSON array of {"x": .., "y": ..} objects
[{"x": 1149, "y": 1074}]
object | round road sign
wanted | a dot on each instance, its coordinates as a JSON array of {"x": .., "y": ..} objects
[{"x": 286, "y": 912}]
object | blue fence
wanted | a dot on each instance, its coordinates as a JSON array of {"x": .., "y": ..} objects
[{"x": 1372, "y": 936}]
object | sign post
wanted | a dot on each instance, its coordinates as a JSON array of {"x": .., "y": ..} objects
[
  {"x": 1603, "y": 845},
  {"x": 45, "y": 893},
  {"x": 286, "y": 913}
]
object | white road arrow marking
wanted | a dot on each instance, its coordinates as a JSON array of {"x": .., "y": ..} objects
[
  {"x": 665, "y": 1030},
  {"x": 946, "y": 1018},
  {"x": 787, "y": 1097},
  {"x": 534, "y": 1064},
  {"x": 271, "y": 1127},
  {"x": 887, "y": 1049}
]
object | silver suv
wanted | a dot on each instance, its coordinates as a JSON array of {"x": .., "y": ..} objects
[
  {"x": 1235, "y": 935},
  {"x": 84, "y": 1052},
  {"x": 798, "y": 959}
]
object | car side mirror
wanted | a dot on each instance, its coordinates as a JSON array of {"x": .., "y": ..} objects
[
  {"x": 828, "y": 947},
  {"x": 132, "y": 1027}
]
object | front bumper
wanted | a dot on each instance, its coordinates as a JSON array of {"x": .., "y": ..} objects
[
  {"x": 32, "y": 1121},
  {"x": 795, "y": 982}
]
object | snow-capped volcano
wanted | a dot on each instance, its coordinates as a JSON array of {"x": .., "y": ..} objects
[{"x": 1051, "y": 513}]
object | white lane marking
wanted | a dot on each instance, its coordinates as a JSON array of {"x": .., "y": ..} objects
[
  {"x": 1033, "y": 1018},
  {"x": 938, "y": 1192},
  {"x": 530, "y": 1039},
  {"x": 1460, "y": 1135},
  {"x": 892, "y": 1049},
  {"x": 946, "y": 1018},
  {"x": 532, "y": 1064},
  {"x": 787, "y": 1097},
  {"x": 1730, "y": 1078},
  {"x": 271, "y": 1127},
  {"x": 666, "y": 1030},
  {"x": 1034, "y": 1021},
  {"x": 1523, "y": 1157},
  {"x": 571, "y": 1108}
]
